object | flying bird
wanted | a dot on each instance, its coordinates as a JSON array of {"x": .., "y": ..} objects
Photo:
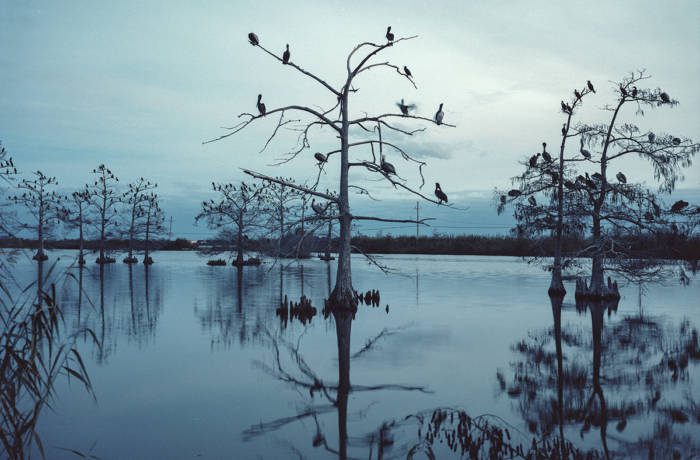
[
  {"x": 405, "y": 108},
  {"x": 441, "y": 196},
  {"x": 286, "y": 55},
  {"x": 439, "y": 115},
  {"x": 590, "y": 86},
  {"x": 253, "y": 39},
  {"x": 261, "y": 106},
  {"x": 621, "y": 177},
  {"x": 389, "y": 35}
]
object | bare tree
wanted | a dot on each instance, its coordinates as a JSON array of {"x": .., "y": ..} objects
[
  {"x": 104, "y": 201},
  {"x": 45, "y": 206},
  {"x": 7, "y": 173},
  {"x": 238, "y": 208},
  {"x": 152, "y": 224},
  {"x": 135, "y": 198},
  {"x": 78, "y": 218},
  {"x": 359, "y": 61},
  {"x": 280, "y": 200}
]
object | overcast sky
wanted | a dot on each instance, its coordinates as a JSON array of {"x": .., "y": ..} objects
[{"x": 139, "y": 85}]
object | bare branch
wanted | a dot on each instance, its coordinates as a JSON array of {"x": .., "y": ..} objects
[{"x": 290, "y": 184}]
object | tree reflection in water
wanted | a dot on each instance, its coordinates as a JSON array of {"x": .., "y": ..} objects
[{"x": 639, "y": 366}]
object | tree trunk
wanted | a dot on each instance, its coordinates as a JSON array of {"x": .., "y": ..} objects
[
  {"x": 239, "y": 244},
  {"x": 81, "y": 256},
  {"x": 103, "y": 224},
  {"x": 146, "y": 256},
  {"x": 328, "y": 240},
  {"x": 343, "y": 292},
  {"x": 40, "y": 231},
  {"x": 596, "y": 286}
]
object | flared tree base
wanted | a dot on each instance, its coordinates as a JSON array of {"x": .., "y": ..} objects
[{"x": 606, "y": 292}]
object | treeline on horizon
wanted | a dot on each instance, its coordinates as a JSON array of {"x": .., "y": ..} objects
[{"x": 661, "y": 246}]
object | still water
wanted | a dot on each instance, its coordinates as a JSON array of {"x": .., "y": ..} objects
[{"x": 196, "y": 363}]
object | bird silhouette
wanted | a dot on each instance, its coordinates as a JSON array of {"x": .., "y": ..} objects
[
  {"x": 590, "y": 86},
  {"x": 441, "y": 196},
  {"x": 387, "y": 167},
  {"x": 405, "y": 108},
  {"x": 531, "y": 199},
  {"x": 623, "y": 91},
  {"x": 651, "y": 137},
  {"x": 439, "y": 115},
  {"x": 253, "y": 39},
  {"x": 634, "y": 91},
  {"x": 407, "y": 72},
  {"x": 514, "y": 192},
  {"x": 286, "y": 55},
  {"x": 261, "y": 105},
  {"x": 563, "y": 129},
  {"x": 676, "y": 141},
  {"x": 321, "y": 158},
  {"x": 533, "y": 160},
  {"x": 318, "y": 209},
  {"x": 577, "y": 94},
  {"x": 586, "y": 154},
  {"x": 545, "y": 154},
  {"x": 389, "y": 35},
  {"x": 621, "y": 177},
  {"x": 664, "y": 97}
]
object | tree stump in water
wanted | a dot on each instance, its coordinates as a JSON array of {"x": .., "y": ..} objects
[{"x": 609, "y": 291}]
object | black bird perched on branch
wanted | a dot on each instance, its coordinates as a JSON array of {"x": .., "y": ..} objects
[
  {"x": 545, "y": 154},
  {"x": 590, "y": 86},
  {"x": 405, "y": 107},
  {"x": 286, "y": 55},
  {"x": 407, "y": 72},
  {"x": 590, "y": 183},
  {"x": 566, "y": 108},
  {"x": 441, "y": 196},
  {"x": 577, "y": 94},
  {"x": 570, "y": 185},
  {"x": 665, "y": 98},
  {"x": 261, "y": 105},
  {"x": 679, "y": 205},
  {"x": 318, "y": 209},
  {"x": 597, "y": 176},
  {"x": 253, "y": 39},
  {"x": 563, "y": 129},
  {"x": 586, "y": 154},
  {"x": 623, "y": 91},
  {"x": 531, "y": 199},
  {"x": 439, "y": 115},
  {"x": 621, "y": 177},
  {"x": 321, "y": 158},
  {"x": 389, "y": 35},
  {"x": 387, "y": 167},
  {"x": 503, "y": 199},
  {"x": 676, "y": 141},
  {"x": 634, "y": 91},
  {"x": 651, "y": 137},
  {"x": 514, "y": 192},
  {"x": 533, "y": 160}
]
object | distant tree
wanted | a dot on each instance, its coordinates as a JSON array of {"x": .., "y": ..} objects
[
  {"x": 104, "y": 200},
  {"x": 8, "y": 171},
  {"x": 152, "y": 224},
  {"x": 135, "y": 198},
  {"x": 78, "y": 218},
  {"x": 369, "y": 129},
  {"x": 238, "y": 209},
  {"x": 44, "y": 205},
  {"x": 279, "y": 201}
]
